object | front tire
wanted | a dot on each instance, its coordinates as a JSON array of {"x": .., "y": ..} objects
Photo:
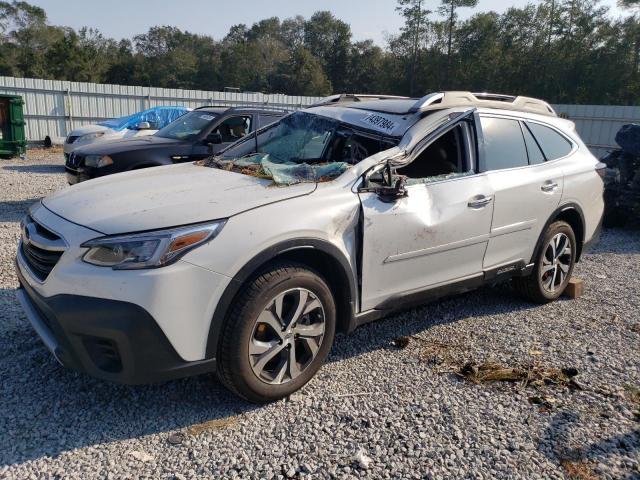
[
  {"x": 554, "y": 265},
  {"x": 278, "y": 334}
]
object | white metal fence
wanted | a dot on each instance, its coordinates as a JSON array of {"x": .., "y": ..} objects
[
  {"x": 598, "y": 124},
  {"x": 53, "y": 108}
]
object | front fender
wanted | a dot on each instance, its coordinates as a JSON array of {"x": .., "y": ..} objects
[{"x": 263, "y": 258}]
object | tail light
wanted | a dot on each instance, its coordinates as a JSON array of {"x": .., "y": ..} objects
[{"x": 601, "y": 169}]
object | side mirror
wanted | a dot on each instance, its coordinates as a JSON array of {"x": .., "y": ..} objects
[
  {"x": 387, "y": 186},
  {"x": 143, "y": 126},
  {"x": 215, "y": 138},
  {"x": 391, "y": 193}
]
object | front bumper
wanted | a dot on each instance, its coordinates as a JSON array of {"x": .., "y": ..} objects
[
  {"x": 80, "y": 174},
  {"x": 108, "y": 339},
  {"x": 177, "y": 302}
]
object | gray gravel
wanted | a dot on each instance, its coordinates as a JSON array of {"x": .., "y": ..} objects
[{"x": 373, "y": 411}]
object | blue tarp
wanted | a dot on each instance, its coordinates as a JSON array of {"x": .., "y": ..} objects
[{"x": 158, "y": 117}]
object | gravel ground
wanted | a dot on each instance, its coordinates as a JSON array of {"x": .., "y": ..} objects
[{"x": 374, "y": 411}]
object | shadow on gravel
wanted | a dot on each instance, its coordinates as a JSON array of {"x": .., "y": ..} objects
[
  {"x": 617, "y": 241},
  {"x": 43, "y": 168},
  {"x": 14, "y": 210},
  {"x": 46, "y": 410},
  {"x": 556, "y": 440},
  {"x": 377, "y": 335}
]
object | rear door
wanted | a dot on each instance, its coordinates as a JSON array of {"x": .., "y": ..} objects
[
  {"x": 527, "y": 187},
  {"x": 435, "y": 235}
]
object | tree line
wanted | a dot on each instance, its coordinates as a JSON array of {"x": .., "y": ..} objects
[{"x": 566, "y": 51}]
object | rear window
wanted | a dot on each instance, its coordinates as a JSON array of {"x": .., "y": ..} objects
[
  {"x": 552, "y": 143},
  {"x": 503, "y": 144}
]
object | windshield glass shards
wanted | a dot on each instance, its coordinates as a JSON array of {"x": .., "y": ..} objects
[
  {"x": 188, "y": 126},
  {"x": 301, "y": 147}
]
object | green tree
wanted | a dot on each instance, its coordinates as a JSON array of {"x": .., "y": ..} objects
[
  {"x": 329, "y": 39},
  {"x": 302, "y": 74},
  {"x": 292, "y": 32},
  {"x": 26, "y": 37},
  {"x": 170, "y": 57},
  {"x": 83, "y": 56},
  {"x": 449, "y": 9},
  {"x": 414, "y": 32},
  {"x": 364, "y": 68}
]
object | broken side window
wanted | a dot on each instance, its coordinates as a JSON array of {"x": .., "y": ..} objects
[{"x": 446, "y": 157}]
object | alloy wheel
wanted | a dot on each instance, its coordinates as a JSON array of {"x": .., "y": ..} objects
[
  {"x": 287, "y": 336},
  {"x": 556, "y": 263}
]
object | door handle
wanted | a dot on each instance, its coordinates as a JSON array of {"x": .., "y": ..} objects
[
  {"x": 479, "y": 201},
  {"x": 549, "y": 186}
]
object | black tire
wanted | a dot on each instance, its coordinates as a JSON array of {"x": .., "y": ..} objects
[
  {"x": 531, "y": 287},
  {"x": 615, "y": 216},
  {"x": 234, "y": 368}
]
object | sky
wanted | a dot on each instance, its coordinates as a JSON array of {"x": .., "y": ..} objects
[{"x": 372, "y": 19}]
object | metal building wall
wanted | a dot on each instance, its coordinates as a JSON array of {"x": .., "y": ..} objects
[
  {"x": 53, "y": 108},
  {"x": 598, "y": 124}
]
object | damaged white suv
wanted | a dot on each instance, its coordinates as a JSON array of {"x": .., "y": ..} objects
[{"x": 248, "y": 263}]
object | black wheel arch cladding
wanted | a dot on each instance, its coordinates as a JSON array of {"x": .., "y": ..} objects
[{"x": 574, "y": 216}]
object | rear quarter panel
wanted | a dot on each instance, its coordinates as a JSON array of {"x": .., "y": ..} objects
[{"x": 584, "y": 187}]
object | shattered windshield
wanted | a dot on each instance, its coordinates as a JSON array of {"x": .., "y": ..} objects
[
  {"x": 187, "y": 126},
  {"x": 301, "y": 147}
]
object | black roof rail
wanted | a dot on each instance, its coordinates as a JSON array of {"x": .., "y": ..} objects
[{"x": 233, "y": 108}]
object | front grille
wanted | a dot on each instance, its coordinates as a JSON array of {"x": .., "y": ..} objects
[
  {"x": 40, "y": 247},
  {"x": 74, "y": 160}
]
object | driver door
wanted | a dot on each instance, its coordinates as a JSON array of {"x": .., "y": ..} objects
[
  {"x": 439, "y": 232},
  {"x": 230, "y": 130}
]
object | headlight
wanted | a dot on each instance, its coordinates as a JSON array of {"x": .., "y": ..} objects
[
  {"x": 90, "y": 136},
  {"x": 149, "y": 250},
  {"x": 97, "y": 161}
]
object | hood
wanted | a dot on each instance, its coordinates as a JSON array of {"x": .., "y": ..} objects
[
  {"x": 113, "y": 147},
  {"x": 78, "y": 132},
  {"x": 163, "y": 197}
]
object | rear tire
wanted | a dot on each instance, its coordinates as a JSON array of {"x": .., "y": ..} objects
[
  {"x": 553, "y": 266},
  {"x": 278, "y": 333},
  {"x": 615, "y": 216}
]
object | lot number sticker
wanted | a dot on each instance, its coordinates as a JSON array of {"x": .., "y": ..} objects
[{"x": 379, "y": 122}]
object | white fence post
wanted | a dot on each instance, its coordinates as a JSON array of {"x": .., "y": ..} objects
[{"x": 68, "y": 110}]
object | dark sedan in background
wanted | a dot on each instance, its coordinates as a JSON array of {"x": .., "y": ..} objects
[{"x": 193, "y": 136}]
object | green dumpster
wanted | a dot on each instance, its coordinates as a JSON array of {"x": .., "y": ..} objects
[{"x": 12, "y": 139}]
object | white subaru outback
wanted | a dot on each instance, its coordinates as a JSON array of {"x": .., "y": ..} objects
[{"x": 248, "y": 263}]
